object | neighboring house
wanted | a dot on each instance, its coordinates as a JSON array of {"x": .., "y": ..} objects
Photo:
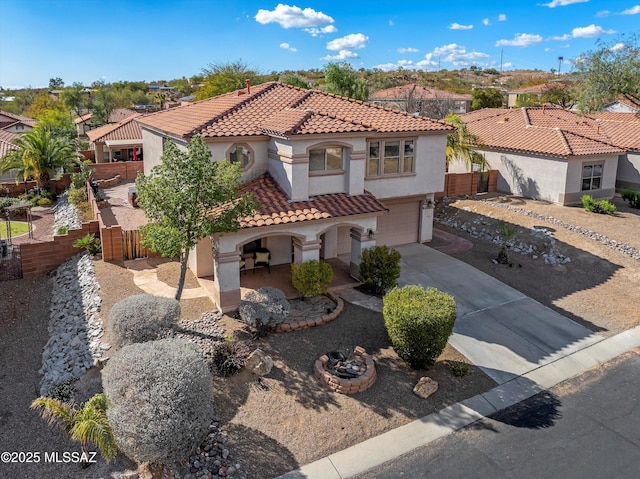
[
  {"x": 553, "y": 154},
  {"x": 426, "y": 101},
  {"x": 15, "y": 123},
  {"x": 84, "y": 125},
  {"x": 115, "y": 142},
  {"x": 6, "y": 146},
  {"x": 536, "y": 91},
  {"x": 622, "y": 105},
  {"x": 332, "y": 175}
]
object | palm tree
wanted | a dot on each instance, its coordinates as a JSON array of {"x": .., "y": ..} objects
[
  {"x": 459, "y": 144},
  {"x": 87, "y": 425},
  {"x": 39, "y": 152}
]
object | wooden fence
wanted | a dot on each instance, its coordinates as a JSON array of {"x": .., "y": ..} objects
[
  {"x": 132, "y": 246},
  {"x": 458, "y": 184}
]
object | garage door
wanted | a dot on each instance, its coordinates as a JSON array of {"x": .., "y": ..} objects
[{"x": 400, "y": 225}]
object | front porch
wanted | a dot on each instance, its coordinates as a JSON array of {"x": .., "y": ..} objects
[{"x": 280, "y": 278}]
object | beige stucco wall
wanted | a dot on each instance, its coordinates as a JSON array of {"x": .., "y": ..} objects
[
  {"x": 429, "y": 172},
  {"x": 628, "y": 175},
  {"x": 152, "y": 145},
  {"x": 574, "y": 191}
]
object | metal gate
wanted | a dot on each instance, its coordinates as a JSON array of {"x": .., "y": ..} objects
[{"x": 10, "y": 262}]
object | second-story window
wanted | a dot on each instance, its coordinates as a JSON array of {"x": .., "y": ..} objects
[
  {"x": 240, "y": 154},
  {"x": 325, "y": 159},
  {"x": 390, "y": 157}
]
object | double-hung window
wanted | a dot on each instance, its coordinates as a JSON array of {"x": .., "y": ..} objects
[
  {"x": 325, "y": 159},
  {"x": 390, "y": 157}
]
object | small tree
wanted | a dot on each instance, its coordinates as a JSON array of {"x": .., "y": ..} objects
[
  {"x": 342, "y": 80},
  {"x": 160, "y": 396},
  {"x": 311, "y": 278},
  {"x": 87, "y": 425},
  {"x": 486, "y": 98},
  {"x": 188, "y": 197},
  {"x": 380, "y": 268},
  {"x": 419, "y": 322}
]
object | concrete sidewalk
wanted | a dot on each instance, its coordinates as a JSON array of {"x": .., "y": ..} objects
[{"x": 521, "y": 344}]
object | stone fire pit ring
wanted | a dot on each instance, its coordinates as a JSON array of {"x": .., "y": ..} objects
[{"x": 346, "y": 385}]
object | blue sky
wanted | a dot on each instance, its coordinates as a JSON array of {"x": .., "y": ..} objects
[{"x": 133, "y": 40}]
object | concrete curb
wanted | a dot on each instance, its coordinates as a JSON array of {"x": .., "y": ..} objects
[{"x": 380, "y": 449}]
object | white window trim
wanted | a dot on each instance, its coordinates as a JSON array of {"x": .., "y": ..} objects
[{"x": 601, "y": 176}]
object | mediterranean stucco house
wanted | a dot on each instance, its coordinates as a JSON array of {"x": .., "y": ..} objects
[
  {"x": 554, "y": 154},
  {"x": 332, "y": 175}
]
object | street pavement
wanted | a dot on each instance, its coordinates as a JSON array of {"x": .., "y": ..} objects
[{"x": 586, "y": 427}]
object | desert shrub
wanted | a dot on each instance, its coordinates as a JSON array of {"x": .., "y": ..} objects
[
  {"x": 5, "y": 202},
  {"x": 160, "y": 396},
  {"x": 141, "y": 318},
  {"x": 604, "y": 207},
  {"x": 264, "y": 307},
  {"x": 631, "y": 196},
  {"x": 44, "y": 202},
  {"x": 379, "y": 268},
  {"x": 85, "y": 211},
  {"x": 78, "y": 195},
  {"x": 419, "y": 322},
  {"x": 62, "y": 392},
  {"x": 230, "y": 356},
  {"x": 458, "y": 368},
  {"x": 63, "y": 230},
  {"x": 89, "y": 242},
  {"x": 311, "y": 278},
  {"x": 79, "y": 179}
]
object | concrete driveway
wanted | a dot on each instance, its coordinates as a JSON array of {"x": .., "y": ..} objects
[{"x": 498, "y": 328}]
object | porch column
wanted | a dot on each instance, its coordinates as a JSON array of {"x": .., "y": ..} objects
[
  {"x": 425, "y": 232},
  {"x": 305, "y": 250},
  {"x": 331, "y": 243},
  {"x": 226, "y": 278},
  {"x": 360, "y": 239}
]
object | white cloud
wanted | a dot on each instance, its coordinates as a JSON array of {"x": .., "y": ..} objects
[
  {"x": 603, "y": 13},
  {"x": 502, "y": 17},
  {"x": 286, "y": 46},
  {"x": 386, "y": 67},
  {"x": 635, "y": 10},
  {"x": 349, "y": 42},
  {"x": 561, "y": 3},
  {"x": 592, "y": 31},
  {"x": 562, "y": 38},
  {"x": 617, "y": 47},
  {"x": 457, "y": 26},
  {"x": 293, "y": 17},
  {"x": 342, "y": 55},
  {"x": 486, "y": 22},
  {"x": 390, "y": 23},
  {"x": 520, "y": 40},
  {"x": 408, "y": 50},
  {"x": 456, "y": 54},
  {"x": 507, "y": 65},
  {"x": 315, "y": 31},
  {"x": 548, "y": 49}
]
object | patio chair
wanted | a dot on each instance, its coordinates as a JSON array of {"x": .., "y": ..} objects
[{"x": 261, "y": 259}]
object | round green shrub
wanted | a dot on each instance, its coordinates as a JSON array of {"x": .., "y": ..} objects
[
  {"x": 419, "y": 322},
  {"x": 44, "y": 202},
  {"x": 160, "y": 396},
  {"x": 141, "y": 318},
  {"x": 311, "y": 278},
  {"x": 379, "y": 268}
]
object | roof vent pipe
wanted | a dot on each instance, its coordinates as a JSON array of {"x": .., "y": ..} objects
[{"x": 248, "y": 86}]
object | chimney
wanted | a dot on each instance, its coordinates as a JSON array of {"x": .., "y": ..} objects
[{"x": 248, "y": 86}]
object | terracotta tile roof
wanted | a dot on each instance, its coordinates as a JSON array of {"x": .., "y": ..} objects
[
  {"x": 6, "y": 144},
  {"x": 12, "y": 119},
  {"x": 115, "y": 116},
  {"x": 553, "y": 132},
  {"x": 614, "y": 116},
  {"x": 276, "y": 208},
  {"x": 422, "y": 92},
  {"x": 127, "y": 129},
  {"x": 276, "y": 108}
]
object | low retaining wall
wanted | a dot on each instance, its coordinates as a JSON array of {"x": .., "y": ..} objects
[
  {"x": 127, "y": 170},
  {"x": 15, "y": 190},
  {"x": 41, "y": 258},
  {"x": 310, "y": 323}
]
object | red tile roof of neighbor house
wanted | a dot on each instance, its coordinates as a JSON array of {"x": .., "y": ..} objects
[
  {"x": 115, "y": 116},
  {"x": 277, "y": 109},
  {"x": 275, "y": 207},
  {"x": 417, "y": 91},
  {"x": 12, "y": 119},
  {"x": 6, "y": 144},
  {"x": 549, "y": 131},
  {"x": 127, "y": 129}
]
